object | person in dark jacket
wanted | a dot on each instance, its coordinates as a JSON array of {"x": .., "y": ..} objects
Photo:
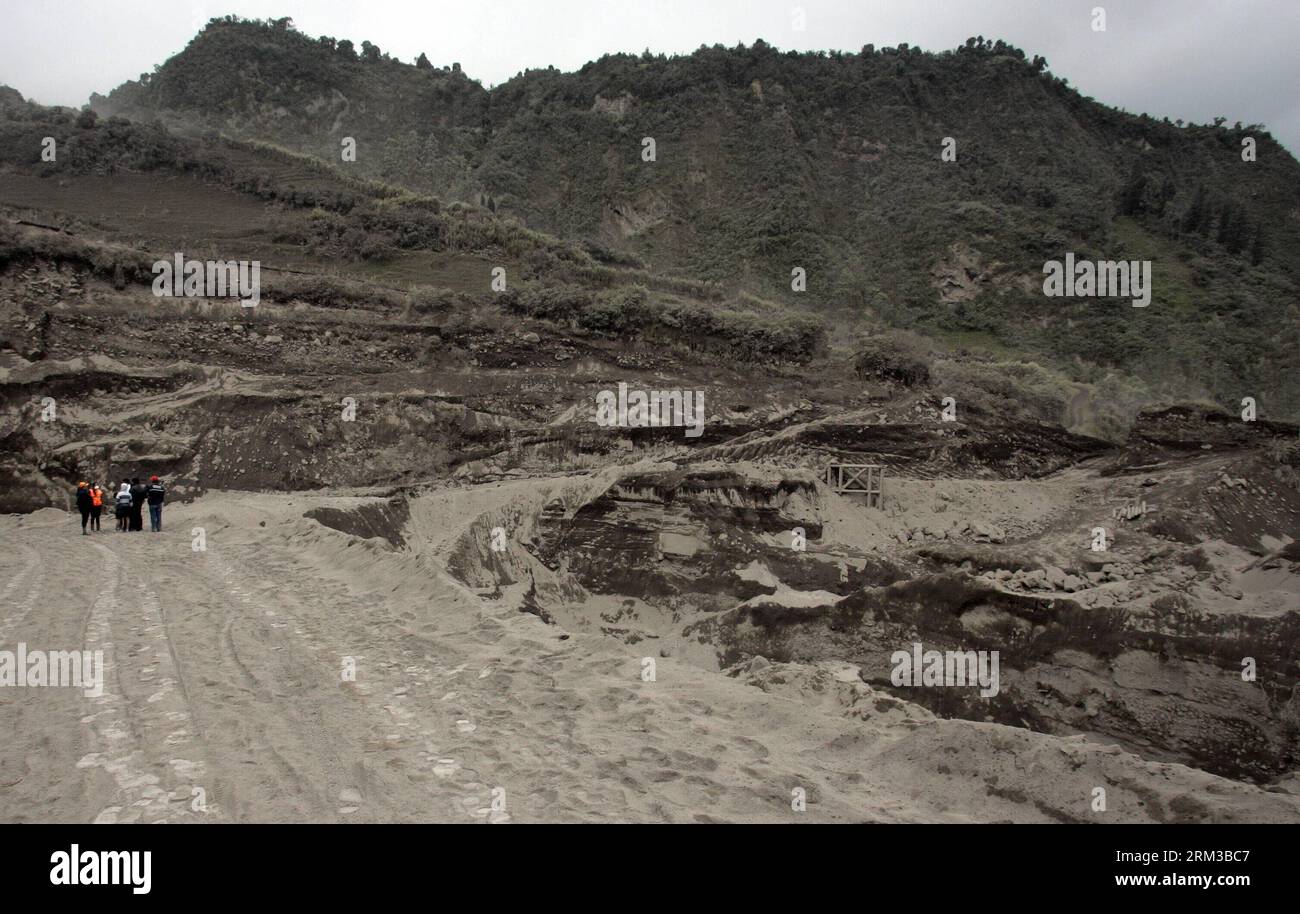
[
  {"x": 122, "y": 504},
  {"x": 155, "y": 493},
  {"x": 137, "y": 504},
  {"x": 83, "y": 505}
]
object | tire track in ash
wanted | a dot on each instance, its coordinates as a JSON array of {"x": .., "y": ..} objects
[
  {"x": 27, "y": 715},
  {"x": 287, "y": 741},
  {"x": 172, "y": 718},
  {"x": 258, "y": 777},
  {"x": 140, "y": 719},
  {"x": 392, "y": 727},
  {"x": 29, "y": 583},
  {"x": 46, "y": 729},
  {"x": 30, "y": 559}
]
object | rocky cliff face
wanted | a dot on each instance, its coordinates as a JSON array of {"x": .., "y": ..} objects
[
  {"x": 697, "y": 537},
  {"x": 1189, "y": 428}
]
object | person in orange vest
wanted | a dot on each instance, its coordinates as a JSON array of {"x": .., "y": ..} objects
[
  {"x": 83, "y": 505},
  {"x": 96, "y": 505}
]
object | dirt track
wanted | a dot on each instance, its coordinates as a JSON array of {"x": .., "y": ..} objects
[{"x": 224, "y": 672}]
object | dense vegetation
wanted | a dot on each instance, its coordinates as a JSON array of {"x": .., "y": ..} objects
[
  {"x": 768, "y": 161},
  {"x": 339, "y": 218}
]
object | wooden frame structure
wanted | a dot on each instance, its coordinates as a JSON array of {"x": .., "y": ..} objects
[{"x": 858, "y": 479}]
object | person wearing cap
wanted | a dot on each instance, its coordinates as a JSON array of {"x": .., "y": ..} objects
[
  {"x": 83, "y": 505},
  {"x": 155, "y": 493},
  {"x": 96, "y": 505}
]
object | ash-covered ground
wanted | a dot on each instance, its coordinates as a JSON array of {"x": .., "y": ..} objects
[{"x": 616, "y": 623}]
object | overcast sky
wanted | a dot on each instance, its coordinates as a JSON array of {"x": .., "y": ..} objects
[{"x": 1189, "y": 59}]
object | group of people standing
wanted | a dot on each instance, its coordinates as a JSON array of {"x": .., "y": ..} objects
[{"x": 128, "y": 504}]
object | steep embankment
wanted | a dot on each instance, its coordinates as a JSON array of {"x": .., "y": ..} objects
[
  {"x": 1144, "y": 681},
  {"x": 1145, "y": 642}
]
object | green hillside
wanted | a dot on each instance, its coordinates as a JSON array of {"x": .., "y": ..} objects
[{"x": 767, "y": 161}]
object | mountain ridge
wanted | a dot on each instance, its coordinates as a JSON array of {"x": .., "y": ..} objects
[{"x": 769, "y": 162}]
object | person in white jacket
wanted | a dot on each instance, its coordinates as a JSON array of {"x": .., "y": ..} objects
[{"x": 123, "y": 502}]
